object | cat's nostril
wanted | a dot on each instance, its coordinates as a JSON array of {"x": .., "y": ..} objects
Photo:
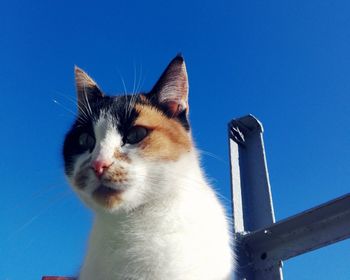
[{"x": 99, "y": 166}]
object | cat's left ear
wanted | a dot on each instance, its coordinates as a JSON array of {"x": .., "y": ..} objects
[
  {"x": 87, "y": 89},
  {"x": 171, "y": 90}
]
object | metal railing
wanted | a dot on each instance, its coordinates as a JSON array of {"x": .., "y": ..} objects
[{"x": 261, "y": 243}]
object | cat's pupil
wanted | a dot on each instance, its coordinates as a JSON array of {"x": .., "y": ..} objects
[
  {"x": 86, "y": 141},
  {"x": 136, "y": 134}
]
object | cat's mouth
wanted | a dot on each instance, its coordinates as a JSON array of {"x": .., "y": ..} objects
[{"x": 107, "y": 196}]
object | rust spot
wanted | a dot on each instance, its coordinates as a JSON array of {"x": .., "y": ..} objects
[
  {"x": 167, "y": 140},
  {"x": 106, "y": 196}
]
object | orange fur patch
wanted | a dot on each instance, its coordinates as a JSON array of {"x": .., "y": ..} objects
[
  {"x": 167, "y": 139},
  {"x": 121, "y": 156},
  {"x": 117, "y": 175}
]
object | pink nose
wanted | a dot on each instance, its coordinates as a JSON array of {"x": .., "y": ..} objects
[{"x": 100, "y": 166}]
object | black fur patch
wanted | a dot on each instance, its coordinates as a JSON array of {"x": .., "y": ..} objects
[{"x": 124, "y": 116}]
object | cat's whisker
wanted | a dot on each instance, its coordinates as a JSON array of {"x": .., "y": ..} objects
[
  {"x": 139, "y": 85},
  {"x": 47, "y": 206},
  {"x": 214, "y": 156},
  {"x": 87, "y": 100},
  {"x": 83, "y": 112},
  {"x": 124, "y": 86},
  {"x": 134, "y": 99},
  {"x": 67, "y": 97},
  {"x": 82, "y": 109},
  {"x": 134, "y": 83},
  {"x": 84, "y": 106},
  {"x": 64, "y": 107},
  {"x": 128, "y": 106},
  {"x": 35, "y": 196},
  {"x": 123, "y": 81},
  {"x": 142, "y": 83},
  {"x": 129, "y": 97},
  {"x": 131, "y": 104}
]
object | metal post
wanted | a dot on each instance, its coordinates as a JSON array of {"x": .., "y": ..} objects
[
  {"x": 252, "y": 201},
  {"x": 261, "y": 243}
]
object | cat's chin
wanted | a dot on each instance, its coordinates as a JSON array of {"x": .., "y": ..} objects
[{"x": 107, "y": 197}]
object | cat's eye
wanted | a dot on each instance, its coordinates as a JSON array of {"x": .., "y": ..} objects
[
  {"x": 136, "y": 134},
  {"x": 86, "y": 141}
]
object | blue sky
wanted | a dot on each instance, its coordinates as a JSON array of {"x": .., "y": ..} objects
[{"x": 286, "y": 62}]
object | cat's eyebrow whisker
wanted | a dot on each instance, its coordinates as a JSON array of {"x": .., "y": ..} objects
[
  {"x": 124, "y": 86},
  {"x": 130, "y": 105},
  {"x": 69, "y": 98},
  {"x": 64, "y": 107},
  {"x": 128, "y": 99},
  {"x": 127, "y": 111},
  {"x": 132, "y": 102},
  {"x": 82, "y": 108},
  {"x": 139, "y": 84},
  {"x": 87, "y": 100},
  {"x": 82, "y": 118},
  {"x": 134, "y": 83},
  {"x": 123, "y": 82}
]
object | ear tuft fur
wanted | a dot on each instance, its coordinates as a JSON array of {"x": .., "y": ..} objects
[
  {"x": 87, "y": 89},
  {"x": 171, "y": 90}
]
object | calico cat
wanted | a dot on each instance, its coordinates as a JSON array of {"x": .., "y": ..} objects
[{"x": 132, "y": 160}]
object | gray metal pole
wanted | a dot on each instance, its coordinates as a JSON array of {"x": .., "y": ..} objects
[
  {"x": 312, "y": 229},
  {"x": 251, "y": 194},
  {"x": 262, "y": 244}
]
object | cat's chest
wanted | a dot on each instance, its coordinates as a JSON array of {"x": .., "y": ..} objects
[
  {"x": 139, "y": 248},
  {"x": 158, "y": 232},
  {"x": 167, "y": 242}
]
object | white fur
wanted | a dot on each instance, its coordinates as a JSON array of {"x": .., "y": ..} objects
[{"x": 169, "y": 225}]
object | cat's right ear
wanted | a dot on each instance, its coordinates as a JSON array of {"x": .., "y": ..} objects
[{"x": 87, "y": 89}]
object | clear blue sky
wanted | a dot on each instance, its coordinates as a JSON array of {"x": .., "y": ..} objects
[{"x": 287, "y": 62}]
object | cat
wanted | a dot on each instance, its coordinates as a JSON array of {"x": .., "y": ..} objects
[{"x": 132, "y": 160}]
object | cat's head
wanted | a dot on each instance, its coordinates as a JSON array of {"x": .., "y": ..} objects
[{"x": 121, "y": 150}]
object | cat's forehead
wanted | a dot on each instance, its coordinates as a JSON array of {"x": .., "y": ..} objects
[
  {"x": 117, "y": 111},
  {"x": 109, "y": 105},
  {"x": 105, "y": 122},
  {"x": 106, "y": 131}
]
